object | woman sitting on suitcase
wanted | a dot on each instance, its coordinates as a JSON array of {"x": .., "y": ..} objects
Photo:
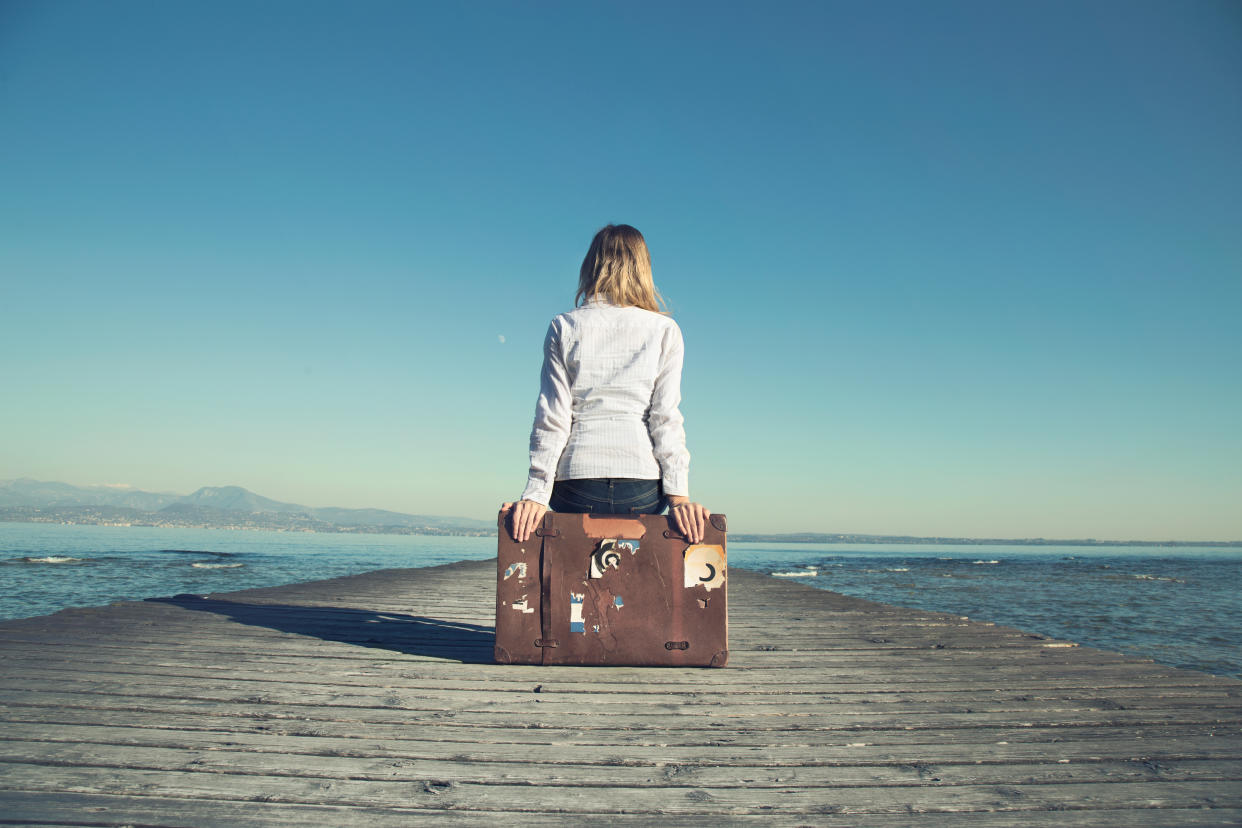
[{"x": 608, "y": 436}]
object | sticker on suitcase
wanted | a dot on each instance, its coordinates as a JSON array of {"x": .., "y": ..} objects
[
  {"x": 576, "y": 624},
  {"x": 705, "y": 566},
  {"x": 608, "y": 555}
]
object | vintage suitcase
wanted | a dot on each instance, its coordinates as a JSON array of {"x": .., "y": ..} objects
[{"x": 612, "y": 590}]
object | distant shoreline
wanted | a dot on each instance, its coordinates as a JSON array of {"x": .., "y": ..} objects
[
  {"x": 232, "y": 507},
  {"x": 262, "y": 522},
  {"x": 210, "y": 507},
  {"x": 247, "y": 522}
]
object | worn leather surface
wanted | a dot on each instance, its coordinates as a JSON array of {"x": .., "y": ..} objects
[{"x": 612, "y": 590}]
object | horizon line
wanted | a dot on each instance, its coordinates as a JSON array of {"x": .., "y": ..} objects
[{"x": 787, "y": 535}]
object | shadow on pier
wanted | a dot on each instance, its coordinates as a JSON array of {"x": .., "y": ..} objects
[{"x": 410, "y": 634}]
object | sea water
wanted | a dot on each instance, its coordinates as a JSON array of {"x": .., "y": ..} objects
[{"x": 1179, "y": 606}]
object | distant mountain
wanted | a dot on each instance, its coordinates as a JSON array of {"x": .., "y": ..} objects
[
  {"x": 237, "y": 499},
  {"x": 210, "y": 504},
  {"x": 37, "y": 493}
]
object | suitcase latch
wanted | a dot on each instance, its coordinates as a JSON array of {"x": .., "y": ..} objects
[
  {"x": 546, "y": 642},
  {"x": 676, "y": 645}
]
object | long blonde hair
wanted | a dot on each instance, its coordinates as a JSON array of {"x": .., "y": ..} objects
[{"x": 617, "y": 267}]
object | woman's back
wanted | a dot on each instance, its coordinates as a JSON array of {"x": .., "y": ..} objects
[
  {"x": 620, "y": 366},
  {"x": 607, "y": 414}
]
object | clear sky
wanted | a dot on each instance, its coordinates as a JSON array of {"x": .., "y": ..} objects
[{"x": 955, "y": 268}]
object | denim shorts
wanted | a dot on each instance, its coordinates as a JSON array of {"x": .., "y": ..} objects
[{"x": 608, "y": 496}]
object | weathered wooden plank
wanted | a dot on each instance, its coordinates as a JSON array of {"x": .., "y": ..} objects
[
  {"x": 795, "y": 740},
  {"x": 610, "y": 772},
  {"x": 797, "y": 693},
  {"x": 525, "y": 680},
  {"x": 591, "y": 799},
  {"x": 909, "y": 669},
  {"x": 83, "y": 668},
  {"x": 24, "y": 808},
  {"x": 792, "y": 754},
  {"x": 392, "y": 694},
  {"x": 276, "y": 702}
]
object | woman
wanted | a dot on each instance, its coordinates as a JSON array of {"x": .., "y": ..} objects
[{"x": 608, "y": 436}]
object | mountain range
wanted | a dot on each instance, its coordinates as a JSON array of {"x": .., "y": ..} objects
[
  {"x": 232, "y": 507},
  {"x": 210, "y": 504}
]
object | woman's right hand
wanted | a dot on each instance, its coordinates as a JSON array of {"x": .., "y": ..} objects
[
  {"x": 691, "y": 518},
  {"x": 523, "y": 518}
]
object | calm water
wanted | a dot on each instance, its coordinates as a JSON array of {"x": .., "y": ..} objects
[{"x": 1179, "y": 606}]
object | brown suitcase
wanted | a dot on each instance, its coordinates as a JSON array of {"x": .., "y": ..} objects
[{"x": 612, "y": 590}]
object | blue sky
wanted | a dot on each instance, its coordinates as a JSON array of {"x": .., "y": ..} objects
[{"x": 962, "y": 268}]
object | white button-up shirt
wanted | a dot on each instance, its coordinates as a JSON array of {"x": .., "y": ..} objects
[{"x": 608, "y": 400}]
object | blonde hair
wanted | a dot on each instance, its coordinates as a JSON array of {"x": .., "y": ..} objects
[{"x": 617, "y": 267}]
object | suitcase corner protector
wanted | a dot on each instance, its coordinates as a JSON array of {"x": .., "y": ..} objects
[
  {"x": 720, "y": 659},
  {"x": 502, "y": 655}
]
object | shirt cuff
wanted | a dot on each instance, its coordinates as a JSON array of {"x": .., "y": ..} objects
[
  {"x": 676, "y": 483},
  {"x": 537, "y": 493}
]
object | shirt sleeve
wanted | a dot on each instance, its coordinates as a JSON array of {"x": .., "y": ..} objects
[
  {"x": 553, "y": 416},
  {"x": 664, "y": 420}
]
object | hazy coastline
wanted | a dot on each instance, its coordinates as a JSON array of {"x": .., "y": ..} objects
[{"x": 232, "y": 507}]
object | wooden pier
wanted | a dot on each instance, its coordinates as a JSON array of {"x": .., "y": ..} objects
[{"x": 372, "y": 701}]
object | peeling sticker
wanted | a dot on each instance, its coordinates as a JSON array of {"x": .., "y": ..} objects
[
  {"x": 519, "y": 568},
  {"x": 595, "y": 627},
  {"x": 608, "y": 553},
  {"x": 617, "y": 602},
  {"x": 521, "y": 605},
  {"x": 705, "y": 566},
  {"x": 575, "y": 612},
  {"x": 703, "y": 603}
]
